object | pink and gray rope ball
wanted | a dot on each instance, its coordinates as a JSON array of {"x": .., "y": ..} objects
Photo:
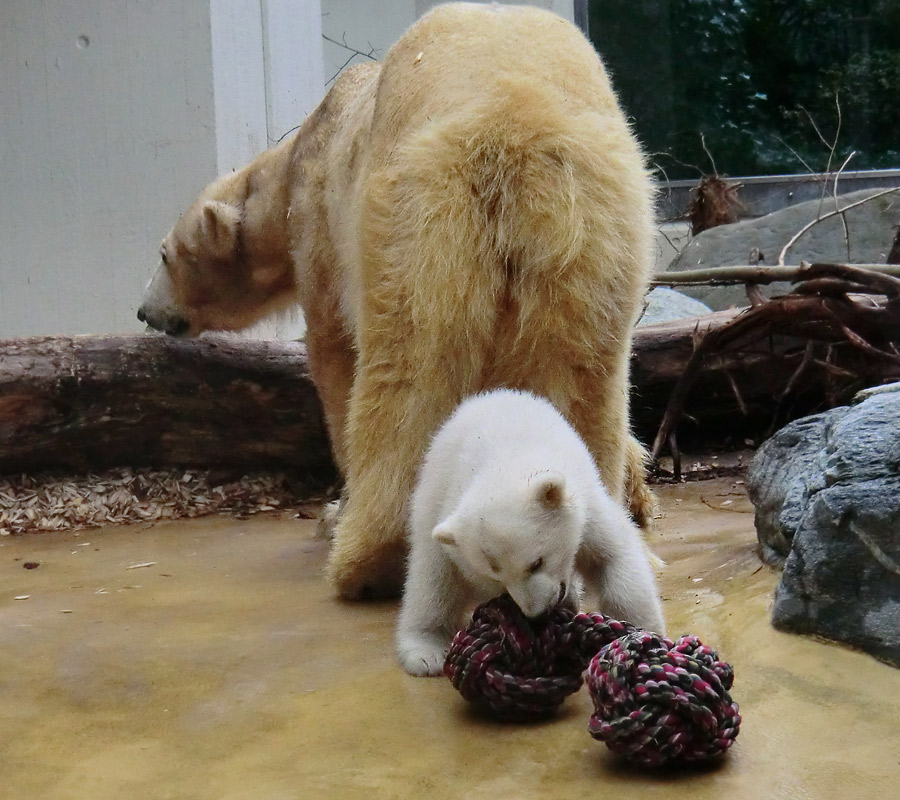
[{"x": 655, "y": 701}]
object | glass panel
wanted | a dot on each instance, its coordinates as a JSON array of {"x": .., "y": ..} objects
[{"x": 768, "y": 85}]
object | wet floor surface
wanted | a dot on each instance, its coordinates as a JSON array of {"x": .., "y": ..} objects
[{"x": 206, "y": 659}]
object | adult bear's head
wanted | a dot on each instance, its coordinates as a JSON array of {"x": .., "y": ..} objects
[{"x": 225, "y": 263}]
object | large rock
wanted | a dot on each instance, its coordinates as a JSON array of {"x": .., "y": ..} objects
[
  {"x": 665, "y": 305},
  {"x": 827, "y": 495},
  {"x": 786, "y": 471},
  {"x": 871, "y": 227}
]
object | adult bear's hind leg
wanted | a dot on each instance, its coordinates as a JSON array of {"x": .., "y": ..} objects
[
  {"x": 393, "y": 414},
  {"x": 432, "y": 286}
]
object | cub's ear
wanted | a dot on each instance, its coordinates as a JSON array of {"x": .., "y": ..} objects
[
  {"x": 549, "y": 489},
  {"x": 444, "y": 534},
  {"x": 219, "y": 223}
]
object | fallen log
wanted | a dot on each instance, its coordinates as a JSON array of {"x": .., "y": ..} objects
[
  {"x": 738, "y": 396},
  {"x": 75, "y": 404},
  {"x": 848, "y": 320}
]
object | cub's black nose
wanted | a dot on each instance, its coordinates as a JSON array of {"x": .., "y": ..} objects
[{"x": 142, "y": 317}]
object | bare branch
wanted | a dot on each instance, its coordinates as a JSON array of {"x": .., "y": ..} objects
[
  {"x": 862, "y": 344},
  {"x": 808, "y": 354},
  {"x": 728, "y": 276},
  {"x": 353, "y": 54},
  {"x": 672, "y": 442},
  {"x": 737, "y": 392},
  {"x": 793, "y": 240},
  {"x": 708, "y": 154},
  {"x": 754, "y": 295},
  {"x": 343, "y": 44},
  {"x": 815, "y": 127},
  {"x": 843, "y": 215},
  {"x": 657, "y": 166},
  {"x": 840, "y": 118},
  {"x": 838, "y": 173},
  {"x": 831, "y": 151},
  {"x": 820, "y": 310},
  {"x": 814, "y": 173},
  {"x": 677, "y": 161},
  {"x": 285, "y": 134},
  {"x": 668, "y": 240}
]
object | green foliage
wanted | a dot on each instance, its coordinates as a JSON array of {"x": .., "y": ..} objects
[{"x": 762, "y": 82}]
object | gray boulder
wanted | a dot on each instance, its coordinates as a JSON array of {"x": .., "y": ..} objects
[
  {"x": 827, "y": 495},
  {"x": 786, "y": 471},
  {"x": 664, "y": 305},
  {"x": 871, "y": 227}
]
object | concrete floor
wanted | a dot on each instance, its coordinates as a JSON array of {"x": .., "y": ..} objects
[{"x": 225, "y": 670}]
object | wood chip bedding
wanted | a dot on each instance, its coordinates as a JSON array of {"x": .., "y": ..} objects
[{"x": 34, "y": 504}]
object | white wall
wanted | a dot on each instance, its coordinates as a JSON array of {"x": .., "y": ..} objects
[
  {"x": 115, "y": 113},
  {"x": 104, "y": 129}
]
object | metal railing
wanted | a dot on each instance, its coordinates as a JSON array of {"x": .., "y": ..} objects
[{"x": 762, "y": 194}]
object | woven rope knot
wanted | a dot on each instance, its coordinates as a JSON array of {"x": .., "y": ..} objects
[
  {"x": 516, "y": 668},
  {"x": 657, "y": 702},
  {"x": 654, "y": 701}
]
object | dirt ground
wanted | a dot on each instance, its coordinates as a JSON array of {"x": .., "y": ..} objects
[{"x": 206, "y": 659}]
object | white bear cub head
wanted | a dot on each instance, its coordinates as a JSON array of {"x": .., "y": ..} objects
[{"x": 521, "y": 534}]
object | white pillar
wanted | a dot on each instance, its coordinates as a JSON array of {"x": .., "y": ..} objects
[{"x": 293, "y": 62}]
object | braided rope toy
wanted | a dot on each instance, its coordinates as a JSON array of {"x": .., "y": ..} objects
[{"x": 655, "y": 701}]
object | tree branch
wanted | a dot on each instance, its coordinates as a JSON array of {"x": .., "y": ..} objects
[
  {"x": 793, "y": 240},
  {"x": 819, "y": 310},
  {"x": 728, "y": 276}
]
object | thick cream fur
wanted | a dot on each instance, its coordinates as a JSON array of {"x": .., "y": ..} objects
[
  {"x": 509, "y": 499},
  {"x": 472, "y": 213}
]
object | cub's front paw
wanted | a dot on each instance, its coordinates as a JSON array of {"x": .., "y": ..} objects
[{"x": 423, "y": 658}]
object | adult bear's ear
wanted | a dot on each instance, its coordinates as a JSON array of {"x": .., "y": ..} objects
[
  {"x": 549, "y": 489},
  {"x": 220, "y": 228}
]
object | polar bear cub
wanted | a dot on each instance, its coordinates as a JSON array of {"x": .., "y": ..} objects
[{"x": 508, "y": 499}]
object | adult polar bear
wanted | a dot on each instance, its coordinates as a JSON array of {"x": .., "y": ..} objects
[{"x": 472, "y": 213}]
